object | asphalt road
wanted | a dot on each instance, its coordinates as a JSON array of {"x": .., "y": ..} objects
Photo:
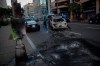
[
  {"x": 48, "y": 46},
  {"x": 38, "y": 37},
  {"x": 88, "y": 31}
]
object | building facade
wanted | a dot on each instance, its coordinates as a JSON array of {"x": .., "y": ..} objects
[
  {"x": 36, "y": 1},
  {"x": 59, "y": 6},
  {"x": 37, "y": 10},
  {"x": 29, "y": 10},
  {"x": 3, "y": 3},
  {"x": 43, "y": 7},
  {"x": 32, "y": 9},
  {"x": 89, "y": 7}
]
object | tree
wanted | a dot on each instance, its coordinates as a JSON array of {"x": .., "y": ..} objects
[
  {"x": 75, "y": 8},
  {"x": 5, "y": 12},
  {"x": 9, "y": 11}
]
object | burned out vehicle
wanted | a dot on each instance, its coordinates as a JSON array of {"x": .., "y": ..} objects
[{"x": 57, "y": 22}]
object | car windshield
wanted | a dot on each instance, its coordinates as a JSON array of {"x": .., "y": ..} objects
[
  {"x": 31, "y": 22},
  {"x": 58, "y": 20}
]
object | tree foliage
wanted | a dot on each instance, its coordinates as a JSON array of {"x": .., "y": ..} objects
[
  {"x": 5, "y": 12},
  {"x": 74, "y": 8}
]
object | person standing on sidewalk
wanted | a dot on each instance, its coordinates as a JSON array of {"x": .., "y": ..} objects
[{"x": 45, "y": 24}]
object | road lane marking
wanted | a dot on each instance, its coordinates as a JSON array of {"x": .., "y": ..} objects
[
  {"x": 76, "y": 33},
  {"x": 34, "y": 47},
  {"x": 31, "y": 43},
  {"x": 93, "y": 28}
]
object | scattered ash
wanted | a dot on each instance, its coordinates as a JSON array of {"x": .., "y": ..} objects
[
  {"x": 63, "y": 49},
  {"x": 67, "y": 51}
]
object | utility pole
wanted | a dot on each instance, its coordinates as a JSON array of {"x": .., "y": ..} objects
[
  {"x": 16, "y": 9},
  {"x": 17, "y": 25},
  {"x": 17, "y": 22},
  {"x": 13, "y": 8},
  {"x": 49, "y": 6}
]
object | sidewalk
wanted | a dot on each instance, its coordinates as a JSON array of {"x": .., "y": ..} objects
[{"x": 7, "y": 47}]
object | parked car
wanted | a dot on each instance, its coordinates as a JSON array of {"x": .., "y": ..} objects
[
  {"x": 32, "y": 25},
  {"x": 58, "y": 23},
  {"x": 95, "y": 19}
]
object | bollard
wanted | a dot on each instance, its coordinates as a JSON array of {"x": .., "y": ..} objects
[{"x": 20, "y": 54}]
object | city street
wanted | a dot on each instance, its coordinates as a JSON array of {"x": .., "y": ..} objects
[
  {"x": 49, "y": 33},
  {"x": 90, "y": 32},
  {"x": 54, "y": 46}
]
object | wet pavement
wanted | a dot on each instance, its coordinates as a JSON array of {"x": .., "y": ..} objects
[{"x": 63, "y": 49}]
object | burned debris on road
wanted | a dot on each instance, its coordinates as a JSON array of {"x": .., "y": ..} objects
[{"x": 61, "y": 50}]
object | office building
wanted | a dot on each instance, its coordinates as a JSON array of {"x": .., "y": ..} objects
[
  {"x": 89, "y": 7},
  {"x": 29, "y": 10},
  {"x": 59, "y": 6}
]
